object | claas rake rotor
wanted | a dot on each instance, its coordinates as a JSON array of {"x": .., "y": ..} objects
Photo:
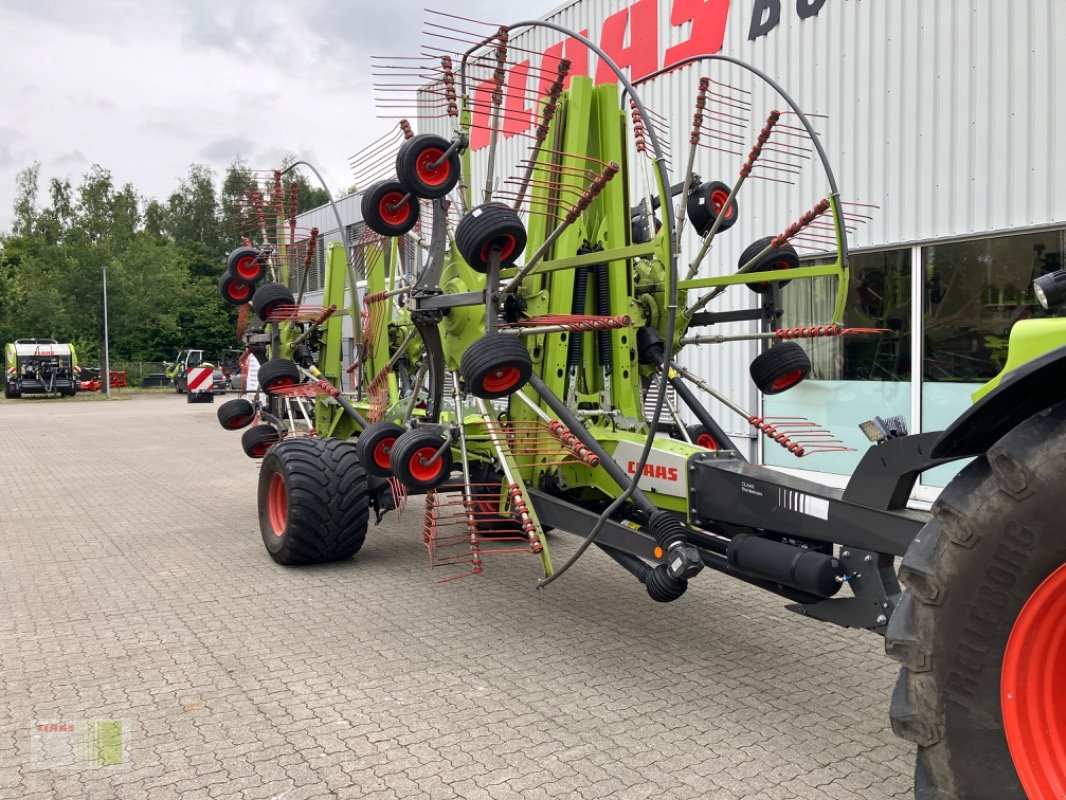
[{"x": 519, "y": 312}]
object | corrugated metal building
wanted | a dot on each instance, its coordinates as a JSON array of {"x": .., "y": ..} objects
[{"x": 941, "y": 114}]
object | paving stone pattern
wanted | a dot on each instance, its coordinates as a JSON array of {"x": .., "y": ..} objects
[{"x": 134, "y": 586}]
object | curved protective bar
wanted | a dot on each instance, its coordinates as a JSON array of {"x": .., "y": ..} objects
[{"x": 792, "y": 104}]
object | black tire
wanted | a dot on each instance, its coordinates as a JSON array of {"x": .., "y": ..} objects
[
  {"x": 314, "y": 506},
  {"x": 383, "y": 211},
  {"x": 705, "y": 203},
  {"x": 414, "y": 166},
  {"x": 784, "y": 257},
  {"x": 269, "y": 297},
  {"x": 374, "y": 447},
  {"x": 780, "y": 368},
  {"x": 488, "y": 226},
  {"x": 247, "y": 265},
  {"x": 496, "y": 366},
  {"x": 409, "y": 454},
  {"x": 278, "y": 373},
  {"x": 234, "y": 292},
  {"x": 994, "y": 540},
  {"x": 7, "y": 391},
  {"x": 235, "y": 414},
  {"x": 258, "y": 440}
]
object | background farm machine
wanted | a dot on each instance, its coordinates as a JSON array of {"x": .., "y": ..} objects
[
  {"x": 517, "y": 362},
  {"x": 40, "y": 366}
]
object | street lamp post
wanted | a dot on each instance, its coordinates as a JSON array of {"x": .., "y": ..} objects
[{"x": 107, "y": 355}]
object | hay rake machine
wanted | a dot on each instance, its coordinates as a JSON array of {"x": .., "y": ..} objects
[{"x": 519, "y": 337}]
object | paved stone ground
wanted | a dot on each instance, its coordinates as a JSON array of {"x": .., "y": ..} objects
[{"x": 134, "y": 586}]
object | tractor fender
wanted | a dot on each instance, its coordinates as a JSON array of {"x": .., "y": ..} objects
[{"x": 1027, "y": 390}]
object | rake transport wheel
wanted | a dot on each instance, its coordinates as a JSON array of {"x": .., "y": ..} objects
[
  {"x": 246, "y": 265},
  {"x": 278, "y": 373},
  {"x": 235, "y": 414},
  {"x": 269, "y": 297},
  {"x": 258, "y": 440},
  {"x": 418, "y": 170},
  {"x": 313, "y": 501},
  {"x": 389, "y": 209},
  {"x": 705, "y": 204},
  {"x": 981, "y": 629},
  {"x": 488, "y": 226},
  {"x": 701, "y": 438},
  {"x": 233, "y": 291},
  {"x": 374, "y": 447},
  {"x": 411, "y": 459},
  {"x": 496, "y": 366},
  {"x": 780, "y": 368},
  {"x": 784, "y": 257}
]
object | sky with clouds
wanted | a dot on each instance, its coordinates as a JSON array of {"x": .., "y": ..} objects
[{"x": 147, "y": 88}]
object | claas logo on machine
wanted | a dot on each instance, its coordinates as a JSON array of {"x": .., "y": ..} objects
[{"x": 654, "y": 471}]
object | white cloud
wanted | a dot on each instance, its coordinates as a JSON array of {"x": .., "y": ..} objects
[{"x": 145, "y": 89}]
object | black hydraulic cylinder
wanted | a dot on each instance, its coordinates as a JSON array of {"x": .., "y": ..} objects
[
  {"x": 574, "y": 348},
  {"x": 798, "y": 567}
]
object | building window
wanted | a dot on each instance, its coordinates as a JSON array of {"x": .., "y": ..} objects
[
  {"x": 974, "y": 291},
  {"x": 878, "y": 297},
  {"x": 854, "y": 377}
]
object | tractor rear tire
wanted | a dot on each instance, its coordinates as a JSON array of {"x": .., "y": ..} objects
[
  {"x": 278, "y": 373},
  {"x": 269, "y": 297},
  {"x": 386, "y": 212},
  {"x": 981, "y": 627},
  {"x": 705, "y": 204},
  {"x": 374, "y": 447},
  {"x": 414, "y": 166},
  {"x": 780, "y": 368},
  {"x": 408, "y": 459},
  {"x": 233, "y": 291},
  {"x": 314, "y": 506},
  {"x": 496, "y": 366},
  {"x": 235, "y": 414},
  {"x": 784, "y": 257},
  {"x": 247, "y": 265},
  {"x": 257, "y": 440},
  {"x": 489, "y": 226}
]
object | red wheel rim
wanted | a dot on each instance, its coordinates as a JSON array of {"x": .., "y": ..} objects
[
  {"x": 280, "y": 383},
  {"x": 506, "y": 243},
  {"x": 278, "y": 504},
  {"x": 382, "y": 452},
  {"x": 238, "y": 422},
  {"x": 419, "y": 469},
  {"x": 238, "y": 291},
  {"x": 788, "y": 380},
  {"x": 248, "y": 267},
  {"x": 718, "y": 198},
  {"x": 427, "y": 173},
  {"x": 394, "y": 209},
  {"x": 502, "y": 380},
  {"x": 707, "y": 441},
  {"x": 1033, "y": 691}
]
